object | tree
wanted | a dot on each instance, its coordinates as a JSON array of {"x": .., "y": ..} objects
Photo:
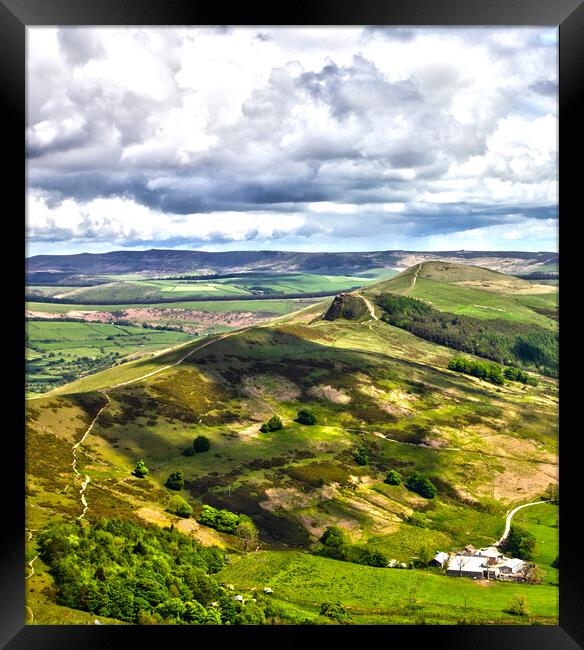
[
  {"x": 201, "y": 444},
  {"x": 393, "y": 477},
  {"x": 180, "y": 507},
  {"x": 532, "y": 574},
  {"x": 306, "y": 416},
  {"x": 335, "y": 542},
  {"x": 520, "y": 543},
  {"x": 422, "y": 485},
  {"x": 361, "y": 457},
  {"x": 461, "y": 561},
  {"x": 140, "y": 470},
  {"x": 248, "y": 532},
  {"x": 175, "y": 481},
  {"x": 552, "y": 493}
]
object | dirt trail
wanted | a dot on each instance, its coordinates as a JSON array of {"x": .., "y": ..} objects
[
  {"x": 369, "y": 306},
  {"x": 176, "y": 363},
  {"x": 414, "y": 278},
  {"x": 85, "y": 482},
  {"x": 30, "y": 564},
  {"x": 510, "y": 516}
]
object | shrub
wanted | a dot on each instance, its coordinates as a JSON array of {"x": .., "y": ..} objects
[
  {"x": 175, "y": 481},
  {"x": 273, "y": 424},
  {"x": 361, "y": 457},
  {"x": 140, "y": 470},
  {"x": 393, "y": 477},
  {"x": 306, "y": 416},
  {"x": 335, "y": 611},
  {"x": 201, "y": 444},
  {"x": 180, "y": 507},
  {"x": 518, "y": 606}
]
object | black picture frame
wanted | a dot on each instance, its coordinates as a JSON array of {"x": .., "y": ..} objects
[{"x": 15, "y": 16}]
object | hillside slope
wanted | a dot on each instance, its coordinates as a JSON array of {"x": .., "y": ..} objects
[{"x": 371, "y": 386}]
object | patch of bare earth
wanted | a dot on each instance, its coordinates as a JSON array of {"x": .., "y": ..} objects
[
  {"x": 274, "y": 386},
  {"x": 330, "y": 394},
  {"x": 287, "y": 498}
]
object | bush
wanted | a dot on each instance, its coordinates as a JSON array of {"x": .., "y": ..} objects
[
  {"x": 273, "y": 424},
  {"x": 393, "y": 477},
  {"x": 422, "y": 485},
  {"x": 140, "y": 470},
  {"x": 518, "y": 606},
  {"x": 180, "y": 507},
  {"x": 175, "y": 481},
  {"x": 335, "y": 611},
  {"x": 361, "y": 457},
  {"x": 201, "y": 444},
  {"x": 306, "y": 416}
]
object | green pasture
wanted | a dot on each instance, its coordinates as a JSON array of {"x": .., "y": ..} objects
[{"x": 375, "y": 595}]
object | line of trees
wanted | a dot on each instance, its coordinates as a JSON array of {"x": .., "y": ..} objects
[{"x": 504, "y": 341}]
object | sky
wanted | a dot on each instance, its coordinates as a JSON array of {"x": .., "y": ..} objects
[{"x": 305, "y": 138}]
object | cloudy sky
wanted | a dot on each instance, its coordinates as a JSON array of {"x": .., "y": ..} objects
[{"x": 291, "y": 138}]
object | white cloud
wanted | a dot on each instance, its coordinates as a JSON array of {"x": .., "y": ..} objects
[{"x": 161, "y": 134}]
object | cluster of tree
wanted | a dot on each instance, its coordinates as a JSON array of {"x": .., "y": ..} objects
[
  {"x": 228, "y": 522},
  {"x": 306, "y": 416},
  {"x": 361, "y": 456},
  {"x": 514, "y": 374},
  {"x": 481, "y": 369},
  {"x": 336, "y": 545},
  {"x": 422, "y": 485},
  {"x": 200, "y": 445},
  {"x": 520, "y": 543},
  {"x": 273, "y": 424},
  {"x": 136, "y": 574},
  {"x": 504, "y": 341}
]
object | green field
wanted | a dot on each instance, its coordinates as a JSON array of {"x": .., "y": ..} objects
[
  {"x": 61, "y": 351},
  {"x": 542, "y": 520},
  {"x": 382, "y": 596},
  {"x": 256, "y": 284}
]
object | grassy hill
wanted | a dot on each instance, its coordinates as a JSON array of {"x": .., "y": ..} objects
[{"x": 371, "y": 385}]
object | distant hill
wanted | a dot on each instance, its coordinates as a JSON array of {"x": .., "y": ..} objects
[{"x": 179, "y": 261}]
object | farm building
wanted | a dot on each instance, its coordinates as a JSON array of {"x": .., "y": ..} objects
[
  {"x": 467, "y": 566},
  {"x": 487, "y": 563},
  {"x": 439, "y": 559}
]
